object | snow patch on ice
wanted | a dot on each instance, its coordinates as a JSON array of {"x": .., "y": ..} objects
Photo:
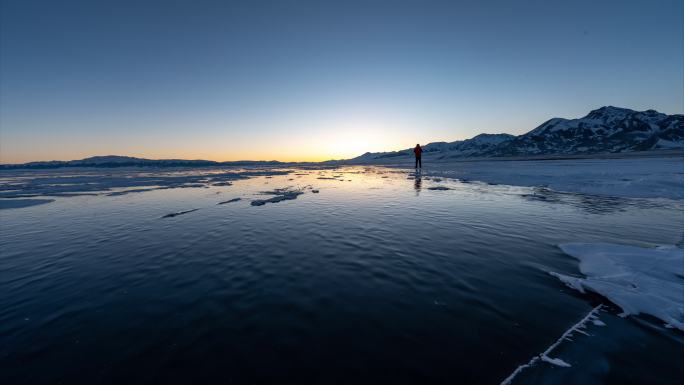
[
  {"x": 572, "y": 282},
  {"x": 637, "y": 279}
]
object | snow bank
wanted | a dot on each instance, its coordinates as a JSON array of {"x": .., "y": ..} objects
[{"x": 639, "y": 280}]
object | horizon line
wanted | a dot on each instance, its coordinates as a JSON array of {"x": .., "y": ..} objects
[{"x": 322, "y": 159}]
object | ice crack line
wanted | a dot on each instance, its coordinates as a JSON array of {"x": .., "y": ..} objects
[{"x": 544, "y": 356}]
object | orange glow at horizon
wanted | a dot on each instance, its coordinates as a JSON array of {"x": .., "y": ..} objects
[{"x": 341, "y": 143}]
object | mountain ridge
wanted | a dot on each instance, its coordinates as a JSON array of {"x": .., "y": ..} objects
[
  {"x": 108, "y": 161},
  {"x": 607, "y": 129}
]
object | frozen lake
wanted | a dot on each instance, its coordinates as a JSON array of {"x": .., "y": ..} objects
[{"x": 336, "y": 276}]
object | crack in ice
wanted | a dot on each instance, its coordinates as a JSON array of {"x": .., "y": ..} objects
[{"x": 544, "y": 356}]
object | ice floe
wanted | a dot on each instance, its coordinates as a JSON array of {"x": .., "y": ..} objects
[{"x": 637, "y": 279}]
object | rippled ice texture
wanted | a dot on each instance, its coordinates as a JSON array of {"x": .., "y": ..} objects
[{"x": 353, "y": 275}]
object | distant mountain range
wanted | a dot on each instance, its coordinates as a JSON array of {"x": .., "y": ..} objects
[
  {"x": 605, "y": 130},
  {"x": 127, "y": 161}
]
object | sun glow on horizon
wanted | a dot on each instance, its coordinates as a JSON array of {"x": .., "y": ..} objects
[{"x": 313, "y": 144}]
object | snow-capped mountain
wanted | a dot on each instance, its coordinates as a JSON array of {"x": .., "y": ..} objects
[
  {"x": 459, "y": 148},
  {"x": 478, "y": 145},
  {"x": 607, "y": 129}
]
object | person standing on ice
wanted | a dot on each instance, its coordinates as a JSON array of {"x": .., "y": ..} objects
[{"x": 418, "y": 151}]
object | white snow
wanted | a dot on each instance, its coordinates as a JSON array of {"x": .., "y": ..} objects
[{"x": 639, "y": 280}]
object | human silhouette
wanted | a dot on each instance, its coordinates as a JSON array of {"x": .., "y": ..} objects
[{"x": 418, "y": 151}]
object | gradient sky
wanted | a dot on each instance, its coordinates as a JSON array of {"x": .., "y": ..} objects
[{"x": 315, "y": 80}]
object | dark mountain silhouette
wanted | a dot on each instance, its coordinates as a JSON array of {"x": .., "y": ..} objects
[
  {"x": 604, "y": 130},
  {"x": 127, "y": 161}
]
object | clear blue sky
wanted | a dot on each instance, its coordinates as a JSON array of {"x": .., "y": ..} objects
[{"x": 313, "y": 80}]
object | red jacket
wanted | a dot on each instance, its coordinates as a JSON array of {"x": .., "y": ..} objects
[{"x": 417, "y": 150}]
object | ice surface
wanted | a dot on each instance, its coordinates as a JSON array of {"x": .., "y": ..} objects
[
  {"x": 35, "y": 183},
  {"x": 178, "y": 213},
  {"x": 280, "y": 195},
  {"x": 634, "y": 178},
  {"x": 364, "y": 235},
  {"x": 639, "y": 280},
  {"x": 18, "y": 203},
  {"x": 544, "y": 356},
  {"x": 229, "y": 201}
]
